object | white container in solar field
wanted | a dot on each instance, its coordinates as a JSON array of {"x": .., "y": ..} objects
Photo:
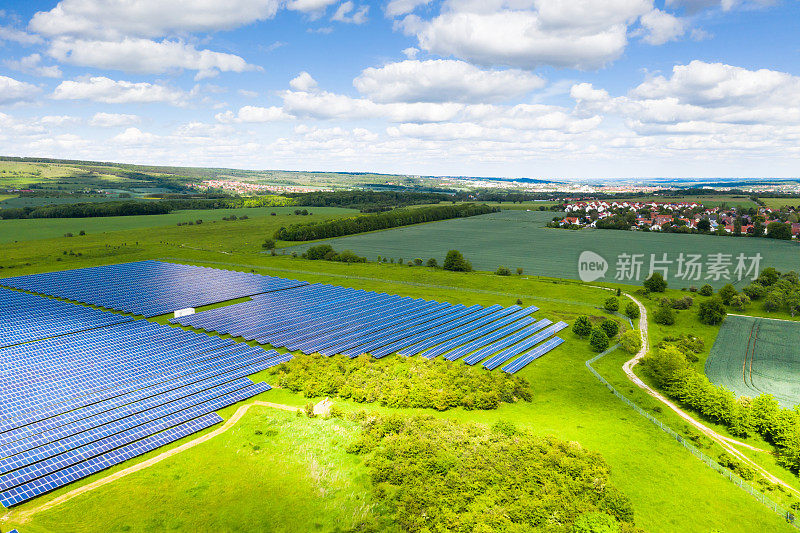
[{"x": 184, "y": 312}]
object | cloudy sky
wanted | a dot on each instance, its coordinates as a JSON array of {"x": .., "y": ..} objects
[{"x": 530, "y": 88}]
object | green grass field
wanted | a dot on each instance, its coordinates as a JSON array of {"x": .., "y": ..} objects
[
  {"x": 753, "y": 356},
  {"x": 30, "y": 229},
  {"x": 670, "y": 489},
  {"x": 520, "y": 239}
]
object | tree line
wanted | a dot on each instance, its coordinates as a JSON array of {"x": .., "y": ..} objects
[
  {"x": 367, "y": 200},
  {"x": 401, "y": 382},
  {"x": 392, "y": 219}
]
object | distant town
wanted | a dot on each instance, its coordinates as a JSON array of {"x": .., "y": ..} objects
[{"x": 681, "y": 217}]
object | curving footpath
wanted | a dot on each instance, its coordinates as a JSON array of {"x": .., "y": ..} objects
[{"x": 727, "y": 443}]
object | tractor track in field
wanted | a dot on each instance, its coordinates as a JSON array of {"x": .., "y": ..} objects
[
  {"x": 26, "y": 514},
  {"x": 727, "y": 443}
]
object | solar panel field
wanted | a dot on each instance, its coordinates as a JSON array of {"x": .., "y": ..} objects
[
  {"x": 754, "y": 356},
  {"x": 516, "y": 238}
]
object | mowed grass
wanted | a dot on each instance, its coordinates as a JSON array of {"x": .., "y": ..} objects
[
  {"x": 272, "y": 471},
  {"x": 515, "y": 238},
  {"x": 31, "y": 229},
  {"x": 669, "y": 488}
]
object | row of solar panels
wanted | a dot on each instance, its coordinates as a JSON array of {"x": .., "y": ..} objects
[
  {"x": 73, "y": 405},
  {"x": 27, "y": 317},
  {"x": 334, "y": 320},
  {"x": 149, "y": 288}
]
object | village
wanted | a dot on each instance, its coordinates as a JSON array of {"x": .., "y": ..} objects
[{"x": 681, "y": 217}]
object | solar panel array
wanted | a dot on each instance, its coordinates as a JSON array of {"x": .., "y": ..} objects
[
  {"x": 149, "y": 288},
  {"x": 332, "y": 320},
  {"x": 27, "y": 317},
  {"x": 77, "y": 404}
]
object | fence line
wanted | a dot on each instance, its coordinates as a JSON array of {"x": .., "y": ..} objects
[{"x": 744, "y": 485}]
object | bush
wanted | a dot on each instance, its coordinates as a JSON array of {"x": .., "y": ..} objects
[
  {"x": 502, "y": 271},
  {"x": 755, "y": 291},
  {"x": 706, "y": 290},
  {"x": 432, "y": 263},
  {"x": 519, "y": 271},
  {"x": 726, "y": 293},
  {"x": 655, "y": 283},
  {"x": 631, "y": 341},
  {"x": 740, "y": 302},
  {"x": 455, "y": 262},
  {"x": 418, "y": 261},
  {"x": 598, "y": 340},
  {"x": 582, "y": 327},
  {"x": 632, "y": 311},
  {"x": 664, "y": 315},
  {"x": 611, "y": 304},
  {"x": 82, "y": 233},
  {"x": 268, "y": 244},
  {"x": 712, "y": 311},
  {"x": 318, "y": 252},
  {"x": 681, "y": 303},
  {"x": 610, "y": 327}
]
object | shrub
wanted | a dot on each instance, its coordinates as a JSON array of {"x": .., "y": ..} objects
[
  {"x": 582, "y": 327},
  {"x": 82, "y": 233},
  {"x": 712, "y": 311},
  {"x": 598, "y": 340},
  {"x": 68, "y": 235},
  {"x": 664, "y": 315},
  {"x": 418, "y": 261},
  {"x": 726, "y": 293},
  {"x": 309, "y": 410},
  {"x": 502, "y": 271},
  {"x": 318, "y": 252},
  {"x": 432, "y": 263},
  {"x": 268, "y": 244},
  {"x": 655, "y": 283},
  {"x": 706, "y": 290},
  {"x": 455, "y": 262},
  {"x": 632, "y": 311},
  {"x": 755, "y": 291},
  {"x": 682, "y": 303},
  {"x": 631, "y": 341},
  {"x": 519, "y": 271},
  {"x": 740, "y": 302},
  {"x": 611, "y": 327},
  {"x": 611, "y": 304}
]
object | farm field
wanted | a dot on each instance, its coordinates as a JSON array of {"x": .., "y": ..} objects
[
  {"x": 520, "y": 239},
  {"x": 711, "y": 200},
  {"x": 567, "y": 401},
  {"x": 777, "y": 203},
  {"x": 44, "y": 228},
  {"x": 753, "y": 356}
]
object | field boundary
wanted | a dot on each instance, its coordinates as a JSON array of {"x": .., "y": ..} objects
[{"x": 710, "y": 462}]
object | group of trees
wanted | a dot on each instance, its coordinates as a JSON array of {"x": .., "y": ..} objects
[
  {"x": 434, "y": 474},
  {"x": 391, "y": 219},
  {"x": 326, "y": 252},
  {"x": 599, "y": 335},
  {"x": 401, "y": 382},
  {"x": 776, "y": 291},
  {"x": 368, "y": 201},
  {"x": 743, "y": 416}
]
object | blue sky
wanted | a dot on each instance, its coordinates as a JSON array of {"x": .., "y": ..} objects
[{"x": 516, "y": 88}]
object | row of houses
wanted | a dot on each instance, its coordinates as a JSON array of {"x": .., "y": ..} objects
[{"x": 658, "y": 216}]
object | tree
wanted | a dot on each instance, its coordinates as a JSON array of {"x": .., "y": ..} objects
[
  {"x": 610, "y": 327},
  {"x": 598, "y": 340},
  {"x": 664, "y": 315},
  {"x": 455, "y": 262},
  {"x": 268, "y": 244},
  {"x": 727, "y": 293},
  {"x": 631, "y": 341},
  {"x": 779, "y": 230},
  {"x": 706, "y": 290},
  {"x": 611, "y": 304},
  {"x": 655, "y": 283},
  {"x": 502, "y": 271},
  {"x": 432, "y": 262},
  {"x": 418, "y": 261},
  {"x": 740, "y": 302},
  {"x": 755, "y": 291},
  {"x": 704, "y": 225},
  {"x": 519, "y": 271},
  {"x": 769, "y": 276},
  {"x": 582, "y": 327},
  {"x": 632, "y": 311},
  {"x": 712, "y": 311}
]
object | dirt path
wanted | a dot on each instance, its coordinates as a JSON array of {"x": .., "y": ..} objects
[
  {"x": 726, "y": 442},
  {"x": 24, "y": 516}
]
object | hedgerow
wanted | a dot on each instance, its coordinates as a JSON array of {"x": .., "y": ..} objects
[{"x": 401, "y": 382}]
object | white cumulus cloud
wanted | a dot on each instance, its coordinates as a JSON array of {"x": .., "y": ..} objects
[
  {"x": 253, "y": 114},
  {"x": 106, "y": 90},
  {"x": 113, "y": 120},
  {"x": 303, "y": 82},
  {"x": 13, "y": 91},
  {"x": 443, "y": 80},
  {"x": 661, "y": 27}
]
